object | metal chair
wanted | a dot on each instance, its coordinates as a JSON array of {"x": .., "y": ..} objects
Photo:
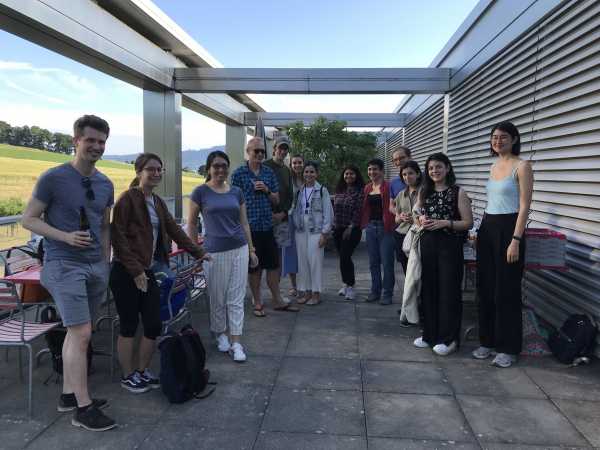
[{"x": 15, "y": 331}]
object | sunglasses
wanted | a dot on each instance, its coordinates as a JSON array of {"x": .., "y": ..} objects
[
  {"x": 258, "y": 151},
  {"x": 87, "y": 184}
]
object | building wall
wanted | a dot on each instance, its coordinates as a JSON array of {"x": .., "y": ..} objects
[{"x": 548, "y": 83}]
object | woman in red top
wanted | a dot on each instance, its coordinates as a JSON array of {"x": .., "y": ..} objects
[{"x": 379, "y": 223}]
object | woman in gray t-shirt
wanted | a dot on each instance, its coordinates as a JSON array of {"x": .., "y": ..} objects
[{"x": 227, "y": 238}]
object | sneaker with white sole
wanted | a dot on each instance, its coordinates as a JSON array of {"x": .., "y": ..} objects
[
  {"x": 223, "y": 343},
  {"x": 482, "y": 352},
  {"x": 149, "y": 378},
  {"x": 443, "y": 349},
  {"x": 349, "y": 293},
  {"x": 342, "y": 291},
  {"x": 504, "y": 360},
  {"x": 237, "y": 352},
  {"x": 133, "y": 383},
  {"x": 420, "y": 343}
]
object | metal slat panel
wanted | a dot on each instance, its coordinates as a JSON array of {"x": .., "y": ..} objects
[{"x": 548, "y": 83}]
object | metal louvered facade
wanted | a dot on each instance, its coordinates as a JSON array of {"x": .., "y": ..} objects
[
  {"x": 423, "y": 135},
  {"x": 547, "y": 82}
]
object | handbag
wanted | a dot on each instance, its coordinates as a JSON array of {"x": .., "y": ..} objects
[
  {"x": 283, "y": 237},
  {"x": 411, "y": 236}
]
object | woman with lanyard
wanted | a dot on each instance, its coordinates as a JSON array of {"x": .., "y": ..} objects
[
  {"x": 141, "y": 233},
  {"x": 379, "y": 223},
  {"x": 347, "y": 206},
  {"x": 445, "y": 215},
  {"x": 229, "y": 241},
  {"x": 289, "y": 265},
  {"x": 501, "y": 248},
  {"x": 313, "y": 218}
]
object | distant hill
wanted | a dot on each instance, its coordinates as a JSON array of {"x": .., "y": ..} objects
[{"x": 189, "y": 158}]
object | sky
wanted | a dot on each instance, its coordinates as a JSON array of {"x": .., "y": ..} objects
[{"x": 40, "y": 87}]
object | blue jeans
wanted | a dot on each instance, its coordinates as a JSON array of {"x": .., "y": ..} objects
[{"x": 380, "y": 247}]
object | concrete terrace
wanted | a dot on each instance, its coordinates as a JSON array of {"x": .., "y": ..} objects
[{"x": 341, "y": 375}]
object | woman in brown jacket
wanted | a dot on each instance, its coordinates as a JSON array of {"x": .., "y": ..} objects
[{"x": 141, "y": 233}]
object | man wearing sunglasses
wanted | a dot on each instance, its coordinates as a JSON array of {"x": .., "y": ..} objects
[
  {"x": 70, "y": 208},
  {"x": 261, "y": 191}
]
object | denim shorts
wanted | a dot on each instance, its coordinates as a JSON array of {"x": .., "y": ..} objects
[{"x": 77, "y": 288}]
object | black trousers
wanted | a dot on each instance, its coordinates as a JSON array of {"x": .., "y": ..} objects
[
  {"x": 345, "y": 248},
  {"x": 441, "y": 291},
  {"x": 132, "y": 303},
  {"x": 400, "y": 255},
  {"x": 499, "y": 285}
]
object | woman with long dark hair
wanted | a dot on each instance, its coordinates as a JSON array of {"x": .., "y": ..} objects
[
  {"x": 411, "y": 176},
  {"x": 347, "y": 205},
  {"x": 501, "y": 248},
  {"x": 229, "y": 241},
  {"x": 445, "y": 215},
  {"x": 141, "y": 233},
  {"x": 313, "y": 219}
]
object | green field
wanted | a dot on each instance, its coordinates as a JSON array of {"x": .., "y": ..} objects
[{"x": 21, "y": 166}]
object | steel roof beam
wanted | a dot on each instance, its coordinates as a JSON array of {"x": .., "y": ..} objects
[
  {"x": 358, "y": 120},
  {"x": 312, "y": 81},
  {"x": 89, "y": 34}
]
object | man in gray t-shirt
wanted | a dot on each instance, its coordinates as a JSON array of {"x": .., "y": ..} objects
[{"x": 70, "y": 208}]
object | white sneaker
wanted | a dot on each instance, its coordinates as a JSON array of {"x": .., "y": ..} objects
[
  {"x": 237, "y": 352},
  {"x": 349, "y": 293},
  {"x": 420, "y": 343},
  {"x": 223, "y": 343},
  {"x": 482, "y": 352},
  {"x": 443, "y": 349},
  {"x": 343, "y": 291},
  {"x": 504, "y": 360}
]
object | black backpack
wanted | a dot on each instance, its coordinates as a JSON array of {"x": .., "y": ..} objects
[
  {"x": 182, "y": 372},
  {"x": 576, "y": 338}
]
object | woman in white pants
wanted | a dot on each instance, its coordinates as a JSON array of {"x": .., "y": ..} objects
[
  {"x": 227, "y": 234},
  {"x": 312, "y": 214}
]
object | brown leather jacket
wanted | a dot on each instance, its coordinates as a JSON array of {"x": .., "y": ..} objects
[{"x": 131, "y": 232}]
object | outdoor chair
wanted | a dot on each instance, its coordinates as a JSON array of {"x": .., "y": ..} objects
[{"x": 16, "y": 331}]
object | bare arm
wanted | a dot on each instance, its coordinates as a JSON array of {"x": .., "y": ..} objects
[
  {"x": 525, "y": 178},
  {"x": 32, "y": 221},
  {"x": 192, "y": 220},
  {"x": 246, "y": 227},
  {"x": 274, "y": 198},
  {"x": 466, "y": 213}
]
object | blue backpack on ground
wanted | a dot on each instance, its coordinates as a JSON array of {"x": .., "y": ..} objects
[{"x": 182, "y": 372}]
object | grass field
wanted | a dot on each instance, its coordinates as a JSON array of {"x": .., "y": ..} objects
[{"x": 21, "y": 166}]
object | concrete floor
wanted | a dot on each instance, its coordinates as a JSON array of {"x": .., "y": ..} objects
[{"x": 339, "y": 375}]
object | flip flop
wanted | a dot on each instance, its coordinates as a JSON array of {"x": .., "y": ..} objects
[
  {"x": 293, "y": 292},
  {"x": 313, "y": 302},
  {"x": 286, "y": 307},
  {"x": 302, "y": 300},
  {"x": 259, "y": 311}
]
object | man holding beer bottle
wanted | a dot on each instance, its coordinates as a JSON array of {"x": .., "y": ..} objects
[{"x": 70, "y": 208}]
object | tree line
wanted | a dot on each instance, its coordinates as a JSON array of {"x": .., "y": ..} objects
[{"x": 36, "y": 137}]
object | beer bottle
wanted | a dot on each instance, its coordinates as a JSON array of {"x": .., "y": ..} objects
[{"x": 84, "y": 224}]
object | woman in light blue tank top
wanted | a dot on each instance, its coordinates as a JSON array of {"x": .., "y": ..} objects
[{"x": 501, "y": 248}]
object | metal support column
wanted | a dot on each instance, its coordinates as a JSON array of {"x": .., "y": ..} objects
[
  {"x": 446, "y": 121},
  {"x": 162, "y": 135},
  {"x": 235, "y": 145}
]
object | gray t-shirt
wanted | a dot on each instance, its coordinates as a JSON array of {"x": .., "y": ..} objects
[
  {"x": 221, "y": 217},
  {"x": 61, "y": 189}
]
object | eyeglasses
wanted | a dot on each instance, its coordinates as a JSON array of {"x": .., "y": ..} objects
[
  {"x": 219, "y": 166},
  {"x": 87, "y": 184},
  {"x": 158, "y": 170}
]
